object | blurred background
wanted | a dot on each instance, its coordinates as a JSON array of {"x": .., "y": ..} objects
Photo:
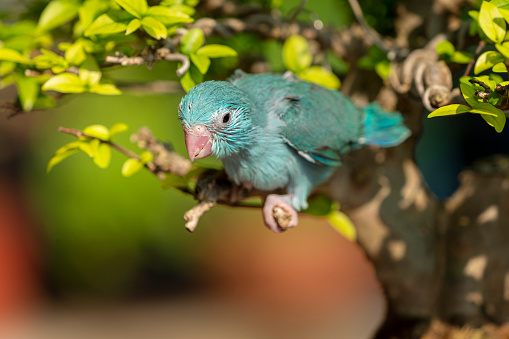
[{"x": 87, "y": 253}]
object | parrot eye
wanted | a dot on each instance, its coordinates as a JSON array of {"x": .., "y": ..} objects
[{"x": 226, "y": 118}]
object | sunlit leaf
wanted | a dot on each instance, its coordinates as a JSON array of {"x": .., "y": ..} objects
[
  {"x": 131, "y": 166},
  {"x": 105, "y": 89},
  {"x": 469, "y": 94},
  {"x": 57, "y": 13},
  {"x": 445, "y": 49},
  {"x": 97, "y": 131},
  {"x": 504, "y": 49},
  {"x": 461, "y": 57},
  {"x": 105, "y": 25},
  {"x": 28, "y": 90},
  {"x": 65, "y": 83},
  {"x": 449, "y": 110},
  {"x": 118, "y": 128},
  {"x": 133, "y": 26},
  {"x": 102, "y": 156},
  {"x": 342, "y": 223},
  {"x": 500, "y": 68},
  {"x": 134, "y": 7},
  {"x": 7, "y": 54},
  {"x": 57, "y": 158},
  {"x": 492, "y": 115},
  {"x": 154, "y": 28},
  {"x": 201, "y": 62},
  {"x": 296, "y": 54},
  {"x": 89, "y": 71},
  {"x": 492, "y": 22},
  {"x": 146, "y": 157},
  {"x": 216, "y": 51},
  {"x": 321, "y": 76},
  {"x": 168, "y": 16},
  {"x": 192, "y": 41},
  {"x": 487, "y": 60}
]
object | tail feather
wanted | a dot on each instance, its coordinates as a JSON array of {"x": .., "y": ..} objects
[{"x": 383, "y": 128}]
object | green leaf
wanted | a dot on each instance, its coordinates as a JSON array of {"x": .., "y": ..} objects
[
  {"x": 192, "y": 41},
  {"x": 146, "y": 157},
  {"x": 321, "y": 76},
  {"x": 492, "y": 115},
  {"x": 105, "y": 25},
  {"x": 342, "y": 223},
  {"x": 319, "y": 205},
  {"x": 487, "y": 60},
  {"x": 57, "y": 13},
  {"x": 44, "y": 101},
  {"x": 492, "y": 84},
  {"x": 131, "y": 166},
  {"x": 135, "y": 7},
  {"x": 296, "y": 54},
  {"x": 105, "y": 89},
  {"x": 7, "y": 54},
  {"x": 504, "y": 49},
  {"x": 216, "y": 51},
  {"x": 154, "y": 28},
  {"x": 97, "y": 131},
  {"x": 75, "y": 54},
  {"x": 65, "y": 83},
  {"x": 58, "y": 157},
  {"x": 500, "y": 68},
  {"x": 102, "y": 156},
  {"x": 90, "y": 10},
  {"x": 191, "y": 78},
  {"x": 492, "y": 22},
  {"x": 118, "y": 128},
  {"x": 383, "y": 69},
  {"x": 461, "y": 57},
  {"x": 133, "y": 26},
  {"x": 89, "y": 147},
  {"x": 168, "y": 16},
  {"x": 28, "y": 90},
  {"x": 201, "y": 62},
  {"x": 89, "y": 71},
  {"x": 445, "y": 49},
  {"x": 494, "y": 98},
  {"x": 469, "y": 94},
  {"x": 449, "y": 110}
]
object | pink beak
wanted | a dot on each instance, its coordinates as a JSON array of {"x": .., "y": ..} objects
[{"x": 198, "y": 142}]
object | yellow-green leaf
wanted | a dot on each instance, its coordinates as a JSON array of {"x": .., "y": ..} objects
[
  {"x": 57, "y": 13},
  {"x": 105, "y": 25},
  {"x": 89, "y": 71},
  {"x": 168, "y": 16},
  {"x": 492, "y": 22},
  {"x": 118, "y": 128},
  {"x": 102, "y": 156},
  {"x": 492, "y": 115},
  {"x": 28, "y": 90},
  {"x": 134, "y": 7},
  {"x": 97, "y": 131},
  {"x": 58, "y": 157},
  {"x": 342, "y": 223},
  {"x": 321, "y": 76},
  {"x": 75, "y": 54},
  {"x": 105, "y": 89},
  {"x": 146, "y": 157},
  {"x": 192, "y": 41},
  {"x": 469, "y": 94},
  {"x": 500, "y": 68},
  {"x": 7, "y": 54},
  {"x": 296, "y": 54},
  {"x": 504, "y": 49},
  {"x": 202, "y": 62},
  {"x": 131, "y": 166},
  {"x": 216, "y": 51},
  {"x": 487, "y": 60},
  {"x": 64, "y": 83},
  {"x": 154, "y": 28},
  {"x": 133, "y": 26},
  {"x": 449, "y": 110},
  {"x": 187, "y": 81},
  {"x": 445, "y": 48}
]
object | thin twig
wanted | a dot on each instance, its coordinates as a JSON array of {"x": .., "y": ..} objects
[
  {"x": 357, "y": 11},
  {"x": 299, "y": 9},
  {"x": 150, "y": 166},
  {"x": 472, "y": 61}
]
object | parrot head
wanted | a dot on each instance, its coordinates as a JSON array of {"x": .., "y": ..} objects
[{"x": 215, "y": 117}]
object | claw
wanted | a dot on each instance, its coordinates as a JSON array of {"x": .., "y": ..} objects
[{"x": 270, "y": 209}]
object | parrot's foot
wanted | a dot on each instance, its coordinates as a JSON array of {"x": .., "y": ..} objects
[{"x": 275, "y": 213}]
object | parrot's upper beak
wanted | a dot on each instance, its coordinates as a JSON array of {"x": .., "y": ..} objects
[{"x": 198, "y": 142}]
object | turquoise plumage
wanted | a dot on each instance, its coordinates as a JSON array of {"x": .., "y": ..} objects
[{"x": 275, "y": 131}]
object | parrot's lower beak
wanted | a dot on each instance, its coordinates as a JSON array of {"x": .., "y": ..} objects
[{"x": 198, "y": 142}]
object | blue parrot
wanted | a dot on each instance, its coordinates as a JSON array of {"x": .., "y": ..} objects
[{"x": 275, "y": 131}]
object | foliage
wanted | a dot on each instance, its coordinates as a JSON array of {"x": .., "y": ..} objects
[{"x": 483, "y": 94}]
